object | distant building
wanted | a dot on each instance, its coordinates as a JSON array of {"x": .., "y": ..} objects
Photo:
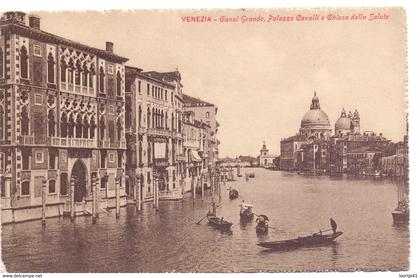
[{"x": 265, "y": 160}]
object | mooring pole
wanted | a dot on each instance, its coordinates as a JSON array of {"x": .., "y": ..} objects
[
  {"x": 117, "y": 198},
  {"x": 94, "y": 198},
  {"x": 72, "y": 181},
  {"x": 193, "y": 184},
  {"x": 138, "y": 195},
  {"x": 98, "y": 196},
  {"x": 44, "y": 201}
]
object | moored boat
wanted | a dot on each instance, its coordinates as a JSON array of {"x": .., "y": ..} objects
[
  {"x": 314, "y": 239},
  {"x": 262, "y": 225},
  {"x": 246, "y": 213}
]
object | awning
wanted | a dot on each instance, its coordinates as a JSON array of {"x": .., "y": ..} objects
[{"x": 194, "y": 156}]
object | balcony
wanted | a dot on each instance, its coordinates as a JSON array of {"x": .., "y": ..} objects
[
  {"x": 26, "y": 140},
  {"x": 103, "y": 144},
  {"x": 71, "y": 142},
  {"x": 160, "y": 132},
  {"x": 180, "y": 157}
]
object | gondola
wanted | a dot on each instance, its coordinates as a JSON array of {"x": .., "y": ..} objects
[
  {"x": 233, "y": 194},
  {"x": 219, "y": 223},
  {"x": 314, "y": 239},
  {"x": 262, "y": 225},
  {"x": 246, "y": 213}
]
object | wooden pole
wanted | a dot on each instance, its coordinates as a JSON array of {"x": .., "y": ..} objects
[
  {"x": 154, "y": 190},
  {"x": 138, "y": 197},
  {"x": 72, "y": 181},
  {"x": 157, "y": 194},
  {"x": 44, "y": 201},
  {"x": 117, "y": 198},
  {"x": 98, "y": 196},
  {"x": 193, "y": 185},
  {"x": 202, "y": 188},
  {"x": 94, "y": 198}
]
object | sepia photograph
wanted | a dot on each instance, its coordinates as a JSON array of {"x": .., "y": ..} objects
[{"x": 204, "y": 140}]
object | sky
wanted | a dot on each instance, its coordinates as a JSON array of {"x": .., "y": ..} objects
[{"x": 262, "y": 75}]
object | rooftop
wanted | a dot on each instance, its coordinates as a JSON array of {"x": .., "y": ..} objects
[{"x": 190, "y": 101}]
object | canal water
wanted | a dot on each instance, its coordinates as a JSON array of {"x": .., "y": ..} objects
[{"x": 170, "y": 240}]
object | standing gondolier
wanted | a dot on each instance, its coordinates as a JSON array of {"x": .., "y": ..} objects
[{"x": 333, "y": 225}]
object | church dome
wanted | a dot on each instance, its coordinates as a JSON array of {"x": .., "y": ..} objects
[
  {"x": 344, "y": 122},
  {"x": 315, "y": 117}
]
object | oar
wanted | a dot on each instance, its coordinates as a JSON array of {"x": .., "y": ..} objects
[{"x": 201, "y": 220}]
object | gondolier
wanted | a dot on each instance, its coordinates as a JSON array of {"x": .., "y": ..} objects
[{"x": 333, "y": 225}]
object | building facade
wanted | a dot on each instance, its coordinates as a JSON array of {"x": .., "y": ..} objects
[
  {"x": 265, "y": 160},
  {"x": 154, "y": 133},
  {"x": 62, "y": 109}
]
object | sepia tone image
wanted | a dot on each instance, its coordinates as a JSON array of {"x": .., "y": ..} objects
[{"x": 248, "y": 140}]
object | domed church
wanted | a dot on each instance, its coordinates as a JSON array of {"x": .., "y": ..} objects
[
  {"x": 347, "y": 124},
  {"x": 315, "y": 123}
]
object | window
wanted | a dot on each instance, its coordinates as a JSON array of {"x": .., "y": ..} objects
[
  {"x": 3, "y": 187},
  {"x": 51, "y": 123},
  {"x": 207, "y": 114},
  {"x": 39, "y": 157},
  {"x": 51, "y": 186},
  {"x": 51, "y": 159},
  {"x": 138, "y": 84},
  {"x": 63, "y": 184},
  {"x": 120, "y": 157},
  {"x": 111, "y": 158},
  {"x": 63, "y": 67},
  {"x": 24, "y": 121},
  {"x": 102, "y": 128},
  {"x": 25, "y": 159},
  {"x": 110, "y": 69},
  {"x": 119, "y": 79},
  {"x": 1, "y": 62},
  {"x": 119, "y": 129},
  {"x": 63, "y": 125},
  {"x": 101, "y": 80},
  {"x": 166, "y": 95},
  {"x": 2, "y": 123},
  {"x": 50, "y": 68},
  {"x": 148, "y": 89},
  {"x": 24, "y": 188},
  {"x": 37, "y": 50},
  {"x": 92, "y": 127},
  {"x": 38, "y": 99},
  {"x": 103, "y": 182},
  {"x": 111, "y": 109},
  {"x": 103, "y": 159},
  {"x": 77, "y": 75}
]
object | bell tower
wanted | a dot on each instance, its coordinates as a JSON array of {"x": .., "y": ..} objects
[{"x": 356, "y": 122}]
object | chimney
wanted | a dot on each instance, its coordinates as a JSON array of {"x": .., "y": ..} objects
[
  {"x": 14, "y": 17},
  {"x": 34, "y": 21},
  {"x": 109, "y": 46}
]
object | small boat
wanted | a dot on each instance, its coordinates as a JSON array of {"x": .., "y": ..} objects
[
  {"x": 262, "y": 225},
  {"x": 246, "y": 213},
  {"x": 252, "y": 175},
  {"x": 233, "y": 194},
  {"x": 218, "y": 223},
  {"x": 314, "y": 239}
]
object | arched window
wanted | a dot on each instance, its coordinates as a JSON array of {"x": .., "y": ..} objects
[
  {"x": 51, "y": 123},
  {"x": 70, "y": 127},
  {"x": 50, "y": 68},
  {"x": 102, "y": 128},
  {"x": 166, "y": 120},
  {"x": 148, "y": 117},
  {"x": 24, "y": 188},
  {"x": 70, "y": 72},
  {"x": 101, "y": 80},
  {"x": 24, "y": 121},
  {"x": 92, "y": 127},
  {"x": 119, "y": 79},
  {"x": 24, "y": 62},
  {"x": 172, "y": 121},
  {"x": 85, "y": 74},
  {"x": 153, "y": 117},
  {"x": 63, "y": 67},
  {"x": 1, "y": 123},
  {"x": 79, "y": 126},
  {"x": 128, "y": 121},
  {"x": 85, "y": 128},
  {"x": 91, "y": 75},
  {"x": 78, "y": 73},
  {"x": 63, "y": 125}
]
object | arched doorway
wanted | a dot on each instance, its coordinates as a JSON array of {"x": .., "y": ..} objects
[{"x": 80, "y": 175}]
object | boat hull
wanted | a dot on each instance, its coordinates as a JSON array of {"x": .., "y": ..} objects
[
  {"x": 400, "y": 216},
  {"x": 216, "y": 223},
  {"x": 261, "y": 229},
  {"x": 315, "y": 239}
]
